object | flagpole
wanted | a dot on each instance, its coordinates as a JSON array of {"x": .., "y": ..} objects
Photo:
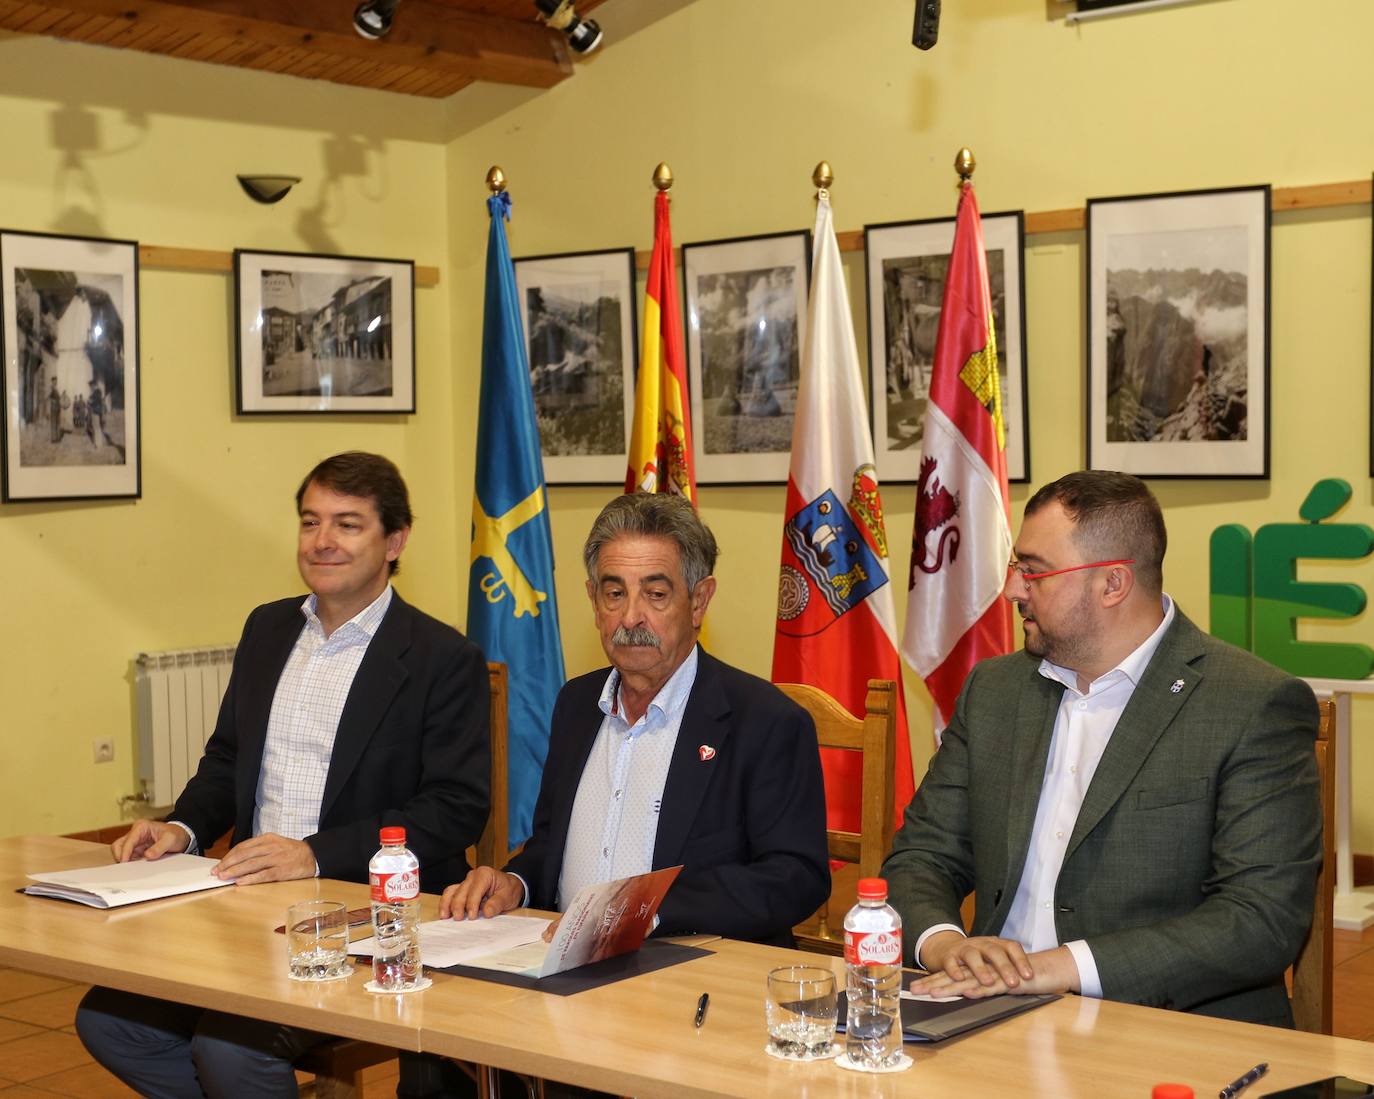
[
  {"x": 663, "y": 176},
  {"x": 964, "y": 163},
  {"x": 823, "y": 177},
  {"x": 496, "y": 179}
]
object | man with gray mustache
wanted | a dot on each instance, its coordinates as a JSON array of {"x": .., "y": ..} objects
[{"x": 669, "y": 756}]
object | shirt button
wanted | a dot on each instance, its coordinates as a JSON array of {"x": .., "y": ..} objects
[
  {"x": 1044, "y": 904},
  {"x": 617, "y": 795},
  {"x": 1073, "y": 769},
  {"x": 605, "y": 852},
  {"x": 1082, "y": 705},
  {"x": 1059, "y": 835}
]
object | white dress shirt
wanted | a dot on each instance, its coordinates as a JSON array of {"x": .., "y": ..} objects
[
  {"x": 1082, "y": 729},
  {"x": 614, "y": 822},
  {"x": 306, "y": 709}
]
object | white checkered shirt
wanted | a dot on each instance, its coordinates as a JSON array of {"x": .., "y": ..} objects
[
  {"x": 614, "y": 822},
  {"x": 306, "y": 709}
]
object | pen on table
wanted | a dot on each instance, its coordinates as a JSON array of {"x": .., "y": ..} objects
[
  {"x": 701, "y": 1008},
  {"x": 1235, "y": 1087}
]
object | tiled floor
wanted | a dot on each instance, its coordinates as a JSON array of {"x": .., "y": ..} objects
[{"x": 40, "y": 1055}]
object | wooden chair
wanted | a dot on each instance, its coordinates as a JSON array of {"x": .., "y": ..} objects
[
  {"x": 875, "y": 737},
  {"x": 337, "y": 1066},
  {"x": 1312, "y": 994}
]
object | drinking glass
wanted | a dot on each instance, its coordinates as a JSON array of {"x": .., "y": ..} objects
[
  {"x": 317, "y": 940},
  {"x": 801, "y": 1011}
]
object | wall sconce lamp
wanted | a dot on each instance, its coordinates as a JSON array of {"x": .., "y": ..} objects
[{"x": 267, "y": 189}]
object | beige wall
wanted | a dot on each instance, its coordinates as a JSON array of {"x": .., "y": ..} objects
[{"x": 742, "y": 99}]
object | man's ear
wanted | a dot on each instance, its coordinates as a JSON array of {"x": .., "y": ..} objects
[
  {"x": 1119, "y": 585},
  {"x": 701, "y": 599},
  {"x": 395, "y": 542}
]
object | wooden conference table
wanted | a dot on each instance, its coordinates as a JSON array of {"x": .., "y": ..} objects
[{"x": 634, "y": 1037}]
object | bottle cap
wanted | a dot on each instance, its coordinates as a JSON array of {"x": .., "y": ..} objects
[
  {"x": 393, "y": 835},
  {"x": 1172, "y": 1091},
  {"x": 873, "y": 889}
]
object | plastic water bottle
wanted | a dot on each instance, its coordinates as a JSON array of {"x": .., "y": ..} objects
[
  {"x": 395, "y": 876},
  {"x": 873, "y": 956}
]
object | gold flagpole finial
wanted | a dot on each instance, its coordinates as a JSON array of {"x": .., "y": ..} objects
[
  {"x": 496, "y": 180},
  {"x": 663, "y": 176},
  {"x": 964, "y": 164},
  {"x": 822, "y": 176}
]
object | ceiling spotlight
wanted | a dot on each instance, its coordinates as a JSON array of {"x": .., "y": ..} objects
[
  {"x": 584, "y": 35},
  {"x": 267, "y": 189},
  {"x": 372, "y": 18}
]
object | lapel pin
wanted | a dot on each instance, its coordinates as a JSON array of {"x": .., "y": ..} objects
[
  {"x": 706, "y": 752},
  {"x": 1178, "y": 686}
]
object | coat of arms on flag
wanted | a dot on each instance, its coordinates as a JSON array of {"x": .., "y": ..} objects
[{"x": 828, "y": 566}]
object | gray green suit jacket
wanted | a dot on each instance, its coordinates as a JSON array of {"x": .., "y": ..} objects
[{"x": 1191, "y": 869}]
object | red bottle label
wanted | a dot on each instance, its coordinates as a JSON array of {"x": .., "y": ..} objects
[
  {"x": 873, "y": 947},
  {"x": 400, "y": 886}
]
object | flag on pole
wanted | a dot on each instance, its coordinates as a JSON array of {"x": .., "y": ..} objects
[
  {"x": 660, "y": 458},
  {"x": 836, "y": 625},
  {"x": 961, "y": 542},
  {"x": 512, "y": 608}
]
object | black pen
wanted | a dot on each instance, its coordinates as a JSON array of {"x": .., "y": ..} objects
[
  {"x": 701, "y": 1008},
  {"x": 1231, "y": 1090}
]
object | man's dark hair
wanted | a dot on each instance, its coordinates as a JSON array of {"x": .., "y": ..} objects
[
  {"x": 1115, "y": 517},
  {"x": 357, "y": 473},
  {"x": 655, "y": 515}
]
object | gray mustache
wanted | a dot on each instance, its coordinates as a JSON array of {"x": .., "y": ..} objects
[{"x": 636, "y": 636}]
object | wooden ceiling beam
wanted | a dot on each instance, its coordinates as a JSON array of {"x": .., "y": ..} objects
[{"x": 426, "y": 34}]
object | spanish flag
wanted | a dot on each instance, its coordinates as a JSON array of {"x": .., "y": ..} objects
[{"x": 660, "y": 458}]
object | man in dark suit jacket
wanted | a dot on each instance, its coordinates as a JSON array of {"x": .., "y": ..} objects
[
  {"x": 734, "y": 793},
  {"x": 345, "y": 712},
  {"x": 1134, "y": 803}
]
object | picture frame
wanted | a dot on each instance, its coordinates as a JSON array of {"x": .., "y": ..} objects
[
  {"x": 1178, "y": 333},
  {"x": 69, "y": 315},
  {"x": 323, "y": 334},
  {"x": 905, "y": 264},
  {"x": 579, "y": 314},
  {"x": 746, "y": 324}
]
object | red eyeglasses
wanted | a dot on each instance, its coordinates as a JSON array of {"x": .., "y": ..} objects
[{"x": 1017, "y": 568}]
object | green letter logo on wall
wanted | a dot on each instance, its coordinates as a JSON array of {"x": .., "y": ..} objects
[{"x": 1257, "y": 598}]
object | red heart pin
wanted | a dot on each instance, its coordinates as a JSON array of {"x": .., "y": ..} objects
[{"x": 706, "y": 752}]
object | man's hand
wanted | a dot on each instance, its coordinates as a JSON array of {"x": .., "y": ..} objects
[
  {"x": 150, "y": 839},
  {"x": 987, "y": 960},
  {"x": 1051, "y": 971},
  {"x": 268, "y": 857},
  {"x": 484, "y": 892}
]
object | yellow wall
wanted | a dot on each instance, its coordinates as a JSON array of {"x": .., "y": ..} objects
[
  {"x": 742, "y": 99},
  {"x": 119, "y": 144}
]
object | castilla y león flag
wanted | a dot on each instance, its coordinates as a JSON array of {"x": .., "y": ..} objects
[
  {"x": 836, "y": 625},
  {"x": 961, "y": 541},
  {"x": 660, "y": 458}
]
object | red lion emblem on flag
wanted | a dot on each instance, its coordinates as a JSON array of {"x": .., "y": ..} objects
[{"x": 935, "y": 506}]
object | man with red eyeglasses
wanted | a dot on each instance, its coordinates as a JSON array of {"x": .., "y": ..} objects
[{"x": 1133, "y": 803}]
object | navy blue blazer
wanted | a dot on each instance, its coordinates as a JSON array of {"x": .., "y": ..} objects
[
  {"x": 412, "y": 747},
  {"x": 748, "y": 823}
]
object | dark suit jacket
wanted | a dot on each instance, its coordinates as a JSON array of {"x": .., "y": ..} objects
[
  {"x": 412, "y": 747},
  {"x": 748, "y": 825},
  {"x": 1191, "y": 869}
]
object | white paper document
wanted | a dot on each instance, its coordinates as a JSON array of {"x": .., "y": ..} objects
[
  {"x": 458, "y": 942},
  {"x": 122, "y": 883}
]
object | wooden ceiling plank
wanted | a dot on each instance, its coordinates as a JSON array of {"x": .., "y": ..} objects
[
  {"x": 39, "y": 22},
  {"x": 100, "y": 32},
  {"x": 426, "y": 34}
]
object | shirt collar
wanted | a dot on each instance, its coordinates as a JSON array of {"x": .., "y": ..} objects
[
  {"x": 362, "y": 626},
  {"x": 671, "y": 697},
  {"x": 1132, "y": 666}
]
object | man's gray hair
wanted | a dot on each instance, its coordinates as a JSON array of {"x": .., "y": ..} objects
[{"x": 655, "y": 515}]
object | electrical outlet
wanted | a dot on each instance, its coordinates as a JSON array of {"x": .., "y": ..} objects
[{"x": 104, "y": 749}]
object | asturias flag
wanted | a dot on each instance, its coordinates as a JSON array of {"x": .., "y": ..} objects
[
  {"x": 660, "y": 458},
  {"x": 512, "y": 609},
  {"x": 961, "y": 543},
  {"x": 836, "y": 625}
]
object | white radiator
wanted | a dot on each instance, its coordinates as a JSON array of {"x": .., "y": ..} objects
[{"x": 178, "y": 700}]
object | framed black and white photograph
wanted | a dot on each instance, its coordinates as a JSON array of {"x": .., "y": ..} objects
[
  {"x": 746, "y": 320},
  {"x": 578, "y": 311},
  {"x": 1178, "y": 333},
  {"x": 906, "y": 266},
  {"x": 70, "y": 320},
  {"x": 324, "y": 333}
]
